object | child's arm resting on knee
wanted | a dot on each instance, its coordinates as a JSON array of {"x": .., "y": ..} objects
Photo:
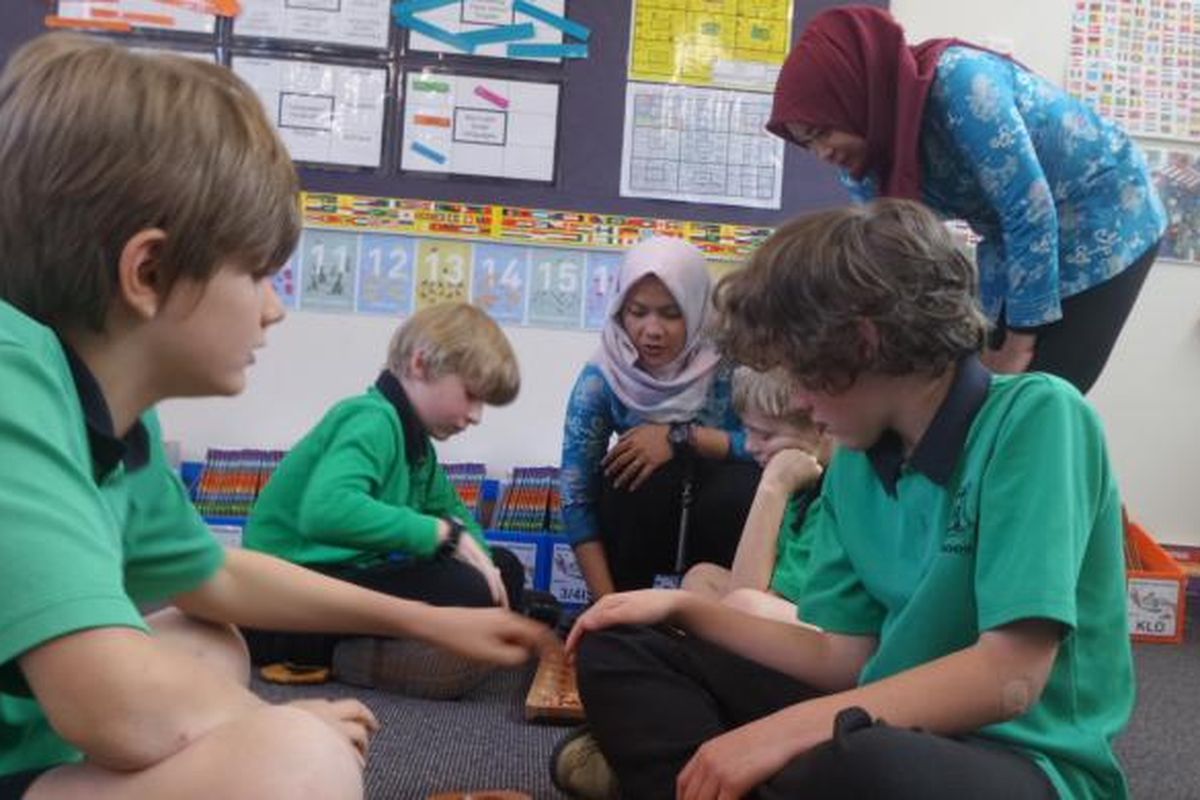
[
  {"x": 998, "y": 678},
  {"x": 125, "y": 701}
]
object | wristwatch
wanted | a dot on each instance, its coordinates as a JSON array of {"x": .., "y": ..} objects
[
  {"x": 679, "y": 435},
  {"x": 449, "y": 545}
]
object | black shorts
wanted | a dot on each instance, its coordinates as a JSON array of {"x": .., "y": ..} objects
[{"x": 14, "y": 786}]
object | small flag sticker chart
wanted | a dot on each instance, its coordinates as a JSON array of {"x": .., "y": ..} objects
[
  {"x": 468, "y": 125},
  {"x": 394, "y": 275}
]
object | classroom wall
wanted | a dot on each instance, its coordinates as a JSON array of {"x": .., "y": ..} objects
[{"x": 1145, "y": 396}]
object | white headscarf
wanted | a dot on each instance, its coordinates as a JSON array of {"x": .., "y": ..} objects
[{"x": 676, "y": 391}]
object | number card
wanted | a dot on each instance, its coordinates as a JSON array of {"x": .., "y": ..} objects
[
  {"x": 286, "y": 282},
  {"x": 385, "y": 269},
  {"x": 556, "y": 288},
  {"x": 443, "y": 269},
  {"x": 602, "y": 271},
  {"x": 498, "y": 286},
  {"x": 328, "y": 270}
]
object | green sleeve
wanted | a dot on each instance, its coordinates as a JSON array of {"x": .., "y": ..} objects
[
  {"x": 168, "y": 548},
  {"x": 60, "y": 546},
  {"x": 342, "y": 504},
  {"x": 834, "y": 597},
  {"x": 1038, "y": 506}
]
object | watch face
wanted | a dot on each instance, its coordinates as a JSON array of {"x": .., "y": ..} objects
[{"x": 678, "y": 434}]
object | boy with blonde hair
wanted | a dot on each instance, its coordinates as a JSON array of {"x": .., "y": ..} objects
[
  {"x": 144, "y": 203},
  {"x": 362, "y": 497},
  {"x": 769, "y": 568},
  {"x": 967, "y": 568}
]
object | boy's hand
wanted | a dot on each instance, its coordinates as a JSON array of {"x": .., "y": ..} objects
[
  {"x": 636, "y": 455},
  {"x": 732, "y": 764},
  {"x": 791, "y": 470},
  {"x": 492, "y": 635},
  {"x": 348, "y": 717},
  {"x": 643, "y": 607},
  {"x": 469, "y": 552}
]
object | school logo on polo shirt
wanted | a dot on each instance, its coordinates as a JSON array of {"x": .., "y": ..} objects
[{"x": 959, "y": 537}]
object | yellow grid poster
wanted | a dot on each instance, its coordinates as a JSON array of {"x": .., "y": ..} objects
[{"x": 735, "y": 44}]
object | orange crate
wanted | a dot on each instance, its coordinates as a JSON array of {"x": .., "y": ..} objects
[{"x": 1157, "y": 599}]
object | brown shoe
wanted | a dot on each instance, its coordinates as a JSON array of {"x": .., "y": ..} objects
[
  {"x": 406, "y": 666},
  {"x": 578, "y": 769}
]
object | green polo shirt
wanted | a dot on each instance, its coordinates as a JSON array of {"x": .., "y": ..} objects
[
  {"x": 794, "y": 547},
  {"x": 363, "y": 484},
  {"x": 92, "y": 525},
  {"x": 1007, "y": 510}
]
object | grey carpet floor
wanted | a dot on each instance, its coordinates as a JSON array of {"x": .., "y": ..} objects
[{"x": 483, "y": 742}]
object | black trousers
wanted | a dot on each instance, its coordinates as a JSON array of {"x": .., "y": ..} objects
[
  {"x": 1078, "y": 345},
  {"x": 654, "y": 695},
  {"x": 440, "y": 582},
  {"x": 640, "y": 529}
]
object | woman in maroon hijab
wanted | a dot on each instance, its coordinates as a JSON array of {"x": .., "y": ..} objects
[{"x": 1062, "y": 200}]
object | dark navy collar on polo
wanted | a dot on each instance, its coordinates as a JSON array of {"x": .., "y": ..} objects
[
  {"x": 936, "y": 455},
  {"x": 108, "y": 449},
  {"x": 415, "y": 437}
]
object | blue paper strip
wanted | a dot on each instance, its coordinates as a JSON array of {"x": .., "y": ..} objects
[
  {"x": 573, "y": 29},
  {"x": 414, "y": 6},
  {"x": 428, "y": 152},
  {"x": 504, "y": 33},
  {"x": 547, "y": 51},
  {"x": 434, "y": 32}
]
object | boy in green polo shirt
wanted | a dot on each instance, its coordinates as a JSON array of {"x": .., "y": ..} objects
[
  {"x": 771, "y": 564},
  {"x": 362, "y": 497},
  {"x": 144, "y": 203},
  {"x": 967, "y": 563}
]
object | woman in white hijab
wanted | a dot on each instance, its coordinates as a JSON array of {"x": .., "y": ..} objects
[{"x": 657, "y": 382}]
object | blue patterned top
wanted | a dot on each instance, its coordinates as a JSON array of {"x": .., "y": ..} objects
[
  {"x": 1062, "y": 199},
  {"x": 594, "y": 414}
]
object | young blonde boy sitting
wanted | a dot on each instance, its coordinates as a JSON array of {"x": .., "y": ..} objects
[
  {"x": 769, "y": 568},
  {"x": 363, "y": 498}
]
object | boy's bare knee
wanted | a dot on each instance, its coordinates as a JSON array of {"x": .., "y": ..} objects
[
  {"x": 705, "y": 578},
  {"x": 300, "y": 755}
]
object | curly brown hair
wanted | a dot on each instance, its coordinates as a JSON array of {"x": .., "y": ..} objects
[{"x": 802, "y": 300}]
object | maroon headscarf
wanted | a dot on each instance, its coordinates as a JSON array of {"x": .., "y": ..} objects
[{"x": 852, "y": 71}]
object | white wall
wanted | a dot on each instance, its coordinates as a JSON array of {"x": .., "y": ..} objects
[{"x": 1146, "y": 395}]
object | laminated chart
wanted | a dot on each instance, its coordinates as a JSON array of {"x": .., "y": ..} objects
[
  {"x": 353, "y": 23},
  {"x": 124, "y": 16},
  {"x": 469, "y": 125},
  {"x": 1138, "y": 64},
  {"x": 490, "y": 28},
  {"x": 700, "y": 145},
  {"x": 737, "y": 44},
  {"x": 326, "y": 113}
]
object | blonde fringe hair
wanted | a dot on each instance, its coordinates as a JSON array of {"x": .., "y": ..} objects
[
  {"x": 769, "y": 394},
  {"x": 98, "y": 142},
  {"x": 459, "y": 339}
]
